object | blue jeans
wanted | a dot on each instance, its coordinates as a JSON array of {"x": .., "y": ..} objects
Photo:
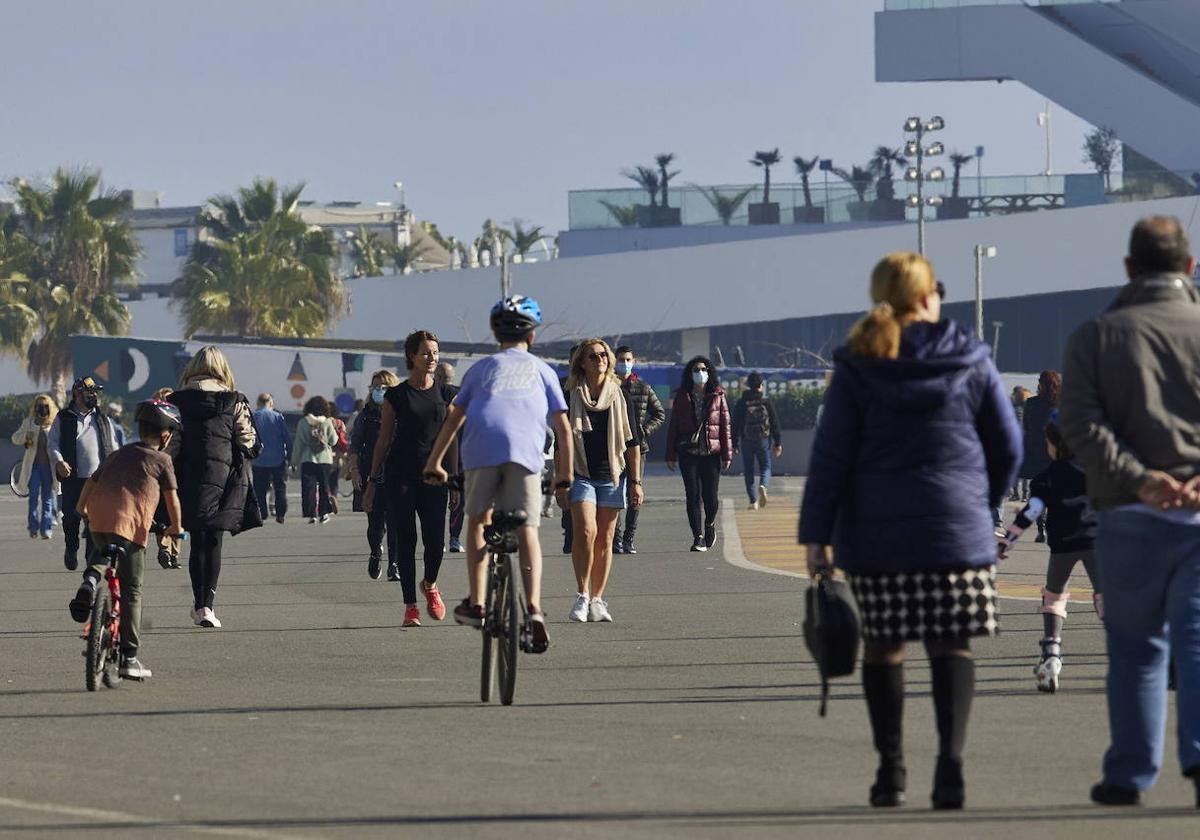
[
  {"x": 756, "y": 457},
  {"x": 1149, "y": 571},
  {"x": 41, "y": 500}
]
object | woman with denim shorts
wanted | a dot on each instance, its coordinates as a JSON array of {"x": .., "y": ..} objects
[{"x": 607, "y": 449}]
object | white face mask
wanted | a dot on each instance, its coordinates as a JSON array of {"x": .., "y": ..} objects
[{"x": 700, "y": 377}]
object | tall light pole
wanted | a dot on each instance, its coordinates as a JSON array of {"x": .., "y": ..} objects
[
  {"x": 1043, "y": 119},
  {"x": 916, "y": 148},
  {"x": 981, "y": 251}
]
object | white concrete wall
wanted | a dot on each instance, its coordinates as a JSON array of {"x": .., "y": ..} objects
[{"x": 159, "y": 264}]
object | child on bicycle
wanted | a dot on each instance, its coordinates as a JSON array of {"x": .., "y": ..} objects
[
  {"x": 505, "y": 402},
  {"x": 118, "y": 502},
  {"x": 1060, "y": 491}
]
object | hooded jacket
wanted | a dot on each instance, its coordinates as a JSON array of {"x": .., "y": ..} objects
[{"x": 911, "y": 455}]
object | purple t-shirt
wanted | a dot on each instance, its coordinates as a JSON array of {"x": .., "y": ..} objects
[{"x": 508, "y": 398}]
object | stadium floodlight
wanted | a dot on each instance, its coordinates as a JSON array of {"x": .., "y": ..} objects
[
  {"x": 911, "y": 148},
  {"x": 936, "y": 174},
  {"x": 935, "y": 124},
  {"x": 914, "y": 147},
  {"x": 912, "y": 124},
  {"x": 912, "y": 174},
  {"x": 935, "y": 149}
]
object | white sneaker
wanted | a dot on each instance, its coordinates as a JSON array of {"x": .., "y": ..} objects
[
  {"x": 324, "y": 518},
  {"x": 579, "y": 612},
  {"x": 208, "y": 618},
  {"x": 312, "y": 520},
  {"x": 762, "y": 495},
  {"x": 132, "y": 669},
  {"x": 598, "y": 610},
  {"x": 1047, "y": 672},
  {"x": 754, "y": 505}
]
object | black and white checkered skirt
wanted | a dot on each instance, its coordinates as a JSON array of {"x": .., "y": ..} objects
[{"x": 926, "y": 606}]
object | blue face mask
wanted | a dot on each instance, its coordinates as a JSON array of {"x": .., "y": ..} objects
[
  {"x": 624, "y": 368},
  {"x": 700, "y": 377},
  {"x": 377, "y": 395}
]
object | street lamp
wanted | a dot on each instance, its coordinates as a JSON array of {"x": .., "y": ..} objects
[
  {"x": 916, "y": 147},
  {"x": 981, "y": 251},
  {"x": 399, "y": 185}
]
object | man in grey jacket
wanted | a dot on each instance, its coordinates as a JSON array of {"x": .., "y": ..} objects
[{"x": 1130, "y": 410}]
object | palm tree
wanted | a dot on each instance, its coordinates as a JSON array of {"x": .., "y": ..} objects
[
  {"x": 725, "y": 205},
  {"x": 859, "y": 177},
  {"x": 803, "y": 169},
  {"x": 646, "y": 178},
  {"x": 367, "y": 251},
  {"x": 958, "y": 161},
  {"x": 406, "y": 257},
  {"x": 766, "y": 160},
  {"x": 881, "y": 167},
  {"x": 260, "y": 270},
  {"x": 524, "y": 239},
  {"x": 664, "y": 177},
  {"x": 624, "y": 215}
]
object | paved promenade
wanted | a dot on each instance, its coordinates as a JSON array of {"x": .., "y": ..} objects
[{"x": 312, "y": 714}]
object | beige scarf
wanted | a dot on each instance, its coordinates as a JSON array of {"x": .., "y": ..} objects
[{"x": 611, "y": 400}]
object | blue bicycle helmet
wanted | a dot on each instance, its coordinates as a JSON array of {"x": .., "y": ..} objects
[{"x": 513, "y": 317}]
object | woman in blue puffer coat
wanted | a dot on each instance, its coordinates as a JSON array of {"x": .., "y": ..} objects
[{"x": 917, "y": 444}]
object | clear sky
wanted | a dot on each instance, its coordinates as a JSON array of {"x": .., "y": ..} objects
[{"x": 481, "y": 108}]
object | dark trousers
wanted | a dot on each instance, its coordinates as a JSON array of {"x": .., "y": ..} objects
[
  {"x": 70, "y": 488},
  {"x": 407, "y": 502},
  {"x": 314, "y": 489},
  {"x": 204, "y": 566},
  {"x": 275, "y": 479},
  {"x": 377, "y": 525},
  {"x": 457, "y": 514},
  {"x": 701, "y": 482}
]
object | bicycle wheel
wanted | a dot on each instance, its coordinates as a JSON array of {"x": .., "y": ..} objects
[
  {"x": 508, "y": 633},
  {"x": 96, "y": 652},
  {"x": 487, "y": 682},
  {"x": 14, "y": 478}
]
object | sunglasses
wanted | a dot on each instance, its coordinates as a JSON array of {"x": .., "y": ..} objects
[
  {"x": 940, "y": 288},
  {"x": 597, "y": 356}
]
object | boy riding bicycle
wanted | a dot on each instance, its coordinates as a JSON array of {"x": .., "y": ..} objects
[
  {"x": 505, "y": 402},
  {"x": 119, "y": 501}
]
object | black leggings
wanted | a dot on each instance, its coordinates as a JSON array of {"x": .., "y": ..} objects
[
  {"x": 204, "y": 565},
  {"x": 377, "y": 525},
  {"x": 314, "y": 489},
  {"x": 407, "y": 502},
  {"x": 701, "y": 480}
]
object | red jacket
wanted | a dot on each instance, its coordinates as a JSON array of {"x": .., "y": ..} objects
[{"x": 718, "y": 425}]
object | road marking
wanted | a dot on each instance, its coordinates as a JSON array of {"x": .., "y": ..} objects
[
  {"x": 136, "y": 819},
  {"x": 732, "y": 546}
]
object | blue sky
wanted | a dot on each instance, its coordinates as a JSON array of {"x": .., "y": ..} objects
[{"x": 480, "y": 108}]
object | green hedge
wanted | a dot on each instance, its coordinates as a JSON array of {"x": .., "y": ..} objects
[
  {"x": 796, "y": 408},
  {"x": 13, "y": 409}
]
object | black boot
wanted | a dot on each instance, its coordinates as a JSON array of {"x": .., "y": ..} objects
[
  {"x": 953, "y": 690},
  {"x": 883, "y": 686}
]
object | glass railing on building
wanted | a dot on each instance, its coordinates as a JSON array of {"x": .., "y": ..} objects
[
  {"x": 906, "y": 5},
  {"x": 837, "y": 202}
]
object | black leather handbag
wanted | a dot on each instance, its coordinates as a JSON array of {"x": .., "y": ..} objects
[{"x": 831, "y": 629}]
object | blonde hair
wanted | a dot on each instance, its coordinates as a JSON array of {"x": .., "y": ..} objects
[
  {"x": 899, "y": 283},
  {"x": 387, "y": 377},
  {"x": 209, "y": 362},
  {"x": 42, "y": 398},
  {"x": 576, "y": 376},
  {"x": 162, "y": 393}
]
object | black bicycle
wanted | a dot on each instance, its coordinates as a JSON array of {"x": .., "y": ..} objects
[{"x": 506, "y": 618}]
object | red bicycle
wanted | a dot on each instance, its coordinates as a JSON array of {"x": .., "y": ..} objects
[{"x": 102, "y": 631}]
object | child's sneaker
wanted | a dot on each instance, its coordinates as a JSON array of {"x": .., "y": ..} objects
[
  {"x": 81, "y": 604},
  {"x": 132, "y": 669},
  {"x": 1047, "y": 672}
]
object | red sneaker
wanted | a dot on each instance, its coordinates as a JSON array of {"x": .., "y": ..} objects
[
  {"x": 433, "y": 601},
  {"x": 412, "y": 616}
]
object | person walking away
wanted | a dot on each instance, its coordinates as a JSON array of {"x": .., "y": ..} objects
[
  {"x": 120, "y": 500},
  {"x": 879, "y": 477},
  {"x": 649, "y": 414},
  {"x": 757, "y": 435},
  {"x": 411, "y": 417},
  {"x": 215, "y": 491},
  {"x": 607, "y": 447},
  {"x": 36, "y": 477},
  {"x": 168, "y": 545},
  {"x": 444, "y": 377},
  {"x": 270, "y": 467},
  {"x": 312, "y": 452},
  {"x": 364, "y": 433},
  {"x": 507, "y": 403},
  {"x": 1061, "y": 491},
  {"x": 1034, "y": 417},
  {"x": 340, "y": 452},
  {"x": 1020, "y": 491},
  {"x": 1131, "y": 414},
  {"x": 115, "y": 410},
  {"x": 700, "y": 440},
  {"x": 81, "y": 437}
]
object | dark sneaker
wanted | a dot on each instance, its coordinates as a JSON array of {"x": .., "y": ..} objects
[
  {"x": 164, "y": 558},
  {"x": 628, "y": 546},
  {"x": 174, "y": 561},
  {"x": 393, "y": 571},
  {"x": 1040, "y": 538},
  {"x": 71, "y": 560},
  {"x": 710, "y": 535},
  {"x": 698, "y": 544},
  {"x": 1106, "y": 794},
  {"x": 618, "y": 547},
  {"x": 539, "y": 640},
  {"x": 469, "y": 614},
  {"x": 279, "y": 519},
  {"x": 81, "y": 604},
  {"x": 373, "y": 567},
  {"x": 566, "y": 546},
  {"x": 132, "y": 669}
]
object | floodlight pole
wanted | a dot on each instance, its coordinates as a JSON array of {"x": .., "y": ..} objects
[
  {"x": 920, "y": 191},
  {"x": 981, "y": 251}
]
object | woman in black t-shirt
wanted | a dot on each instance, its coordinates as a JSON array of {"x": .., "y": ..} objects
[{"x": 411, "y": 416}]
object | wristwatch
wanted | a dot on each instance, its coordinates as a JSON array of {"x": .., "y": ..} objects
[
  {"x": 636, "y": 481},
  {"x": 562, "y": 485}
]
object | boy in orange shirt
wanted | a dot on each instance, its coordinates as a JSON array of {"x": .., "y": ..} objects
[{"x": 119, "y": 501}]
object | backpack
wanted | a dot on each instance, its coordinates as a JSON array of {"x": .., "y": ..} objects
[
  {"x": 316, "y": 438},
  {"x": 758, "y": 420},
  {"x": 343, "y": 442}
]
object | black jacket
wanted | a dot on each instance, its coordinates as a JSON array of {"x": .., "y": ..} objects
[
  {"x": 1034, "y": 417},
  {"x": 212, "y": 470},
  {"x": 739, "y": 417}
]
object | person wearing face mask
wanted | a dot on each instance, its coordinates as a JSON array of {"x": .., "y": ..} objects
[
  {"x": 364, "y": 434},
  {"x": 270, "y": 468},
  {"x": 80, "y": 438},
  {"x": 36, "y": 477},
  {"x": 119, "y": 500},
  {"x": 700, "y": 440},
  {"x": 649, "y": 415}
]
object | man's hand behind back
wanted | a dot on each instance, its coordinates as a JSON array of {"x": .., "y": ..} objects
[{"x": 1163, "y": 491}]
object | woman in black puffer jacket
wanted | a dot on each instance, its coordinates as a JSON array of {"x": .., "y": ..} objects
[
  {"x": 213, "y": 474},
  {"x": 916, "y": 444},
  {"x": 1034, "y": 417}
]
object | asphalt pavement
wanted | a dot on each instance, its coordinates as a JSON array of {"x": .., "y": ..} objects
[{"x": 313, "y": 714}]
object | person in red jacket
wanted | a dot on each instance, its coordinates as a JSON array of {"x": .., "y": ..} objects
[{"x": 700, "y": 439}]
